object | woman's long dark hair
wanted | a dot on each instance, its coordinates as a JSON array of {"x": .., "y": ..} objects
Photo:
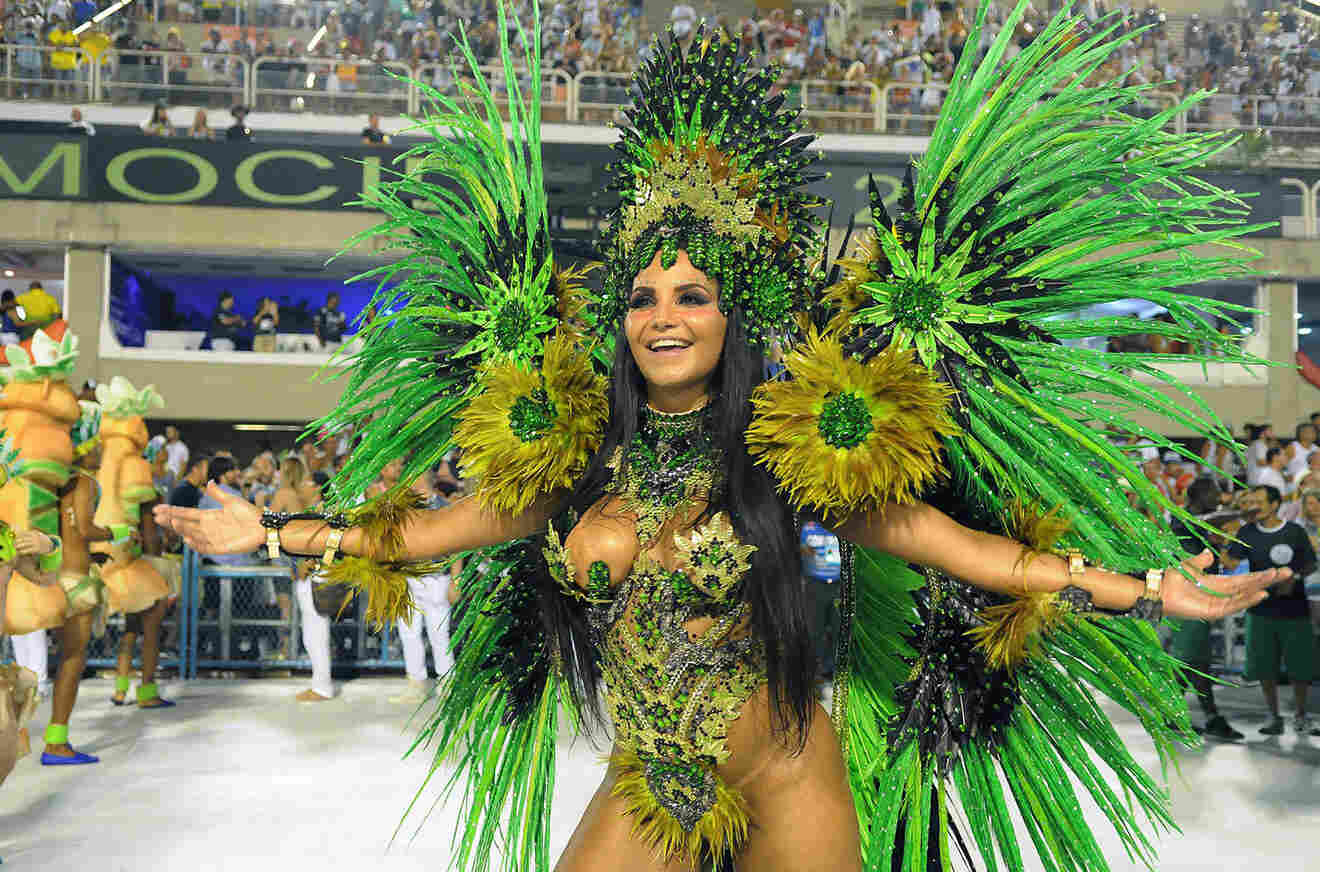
[{"x": 774, "y": 587}]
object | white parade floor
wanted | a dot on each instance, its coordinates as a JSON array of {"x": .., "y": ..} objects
[{"x": 240, "y": 776}]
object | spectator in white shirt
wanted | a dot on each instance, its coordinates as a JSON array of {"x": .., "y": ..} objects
[
  {"x": 1299, "y": 452},
  {"x": 1259, "y": 444},
  {"x": 1271, "y": 471},
  {"x": 1312, "y": 469},
  {"x": 931, "y": 24},
  {"x": 176, "y": 452}
]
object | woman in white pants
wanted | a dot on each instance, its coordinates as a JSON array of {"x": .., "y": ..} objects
[
  {"x": 30, "y": 652},
  {"x": 316, "y": 639},
  {"x": 430, "y": 594}
]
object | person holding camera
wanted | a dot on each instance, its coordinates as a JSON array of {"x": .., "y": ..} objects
[{"x": 265, "y": 324}]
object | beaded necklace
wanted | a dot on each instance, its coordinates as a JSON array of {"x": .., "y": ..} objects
[{"x": 671, "y": 465}]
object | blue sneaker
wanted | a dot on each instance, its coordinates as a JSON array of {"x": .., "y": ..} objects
[
  {"x": 78, "y": 759},
  {"x": 158, "y": 702}
]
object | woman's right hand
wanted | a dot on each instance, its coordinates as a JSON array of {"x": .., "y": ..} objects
[{"x": 234, "y": 528}]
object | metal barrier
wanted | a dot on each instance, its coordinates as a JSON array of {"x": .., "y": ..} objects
[
  {"x": 909, "y": 108},
  {"x": 1279, "y": 115},
  {"x": 33, "y": 72},
  {"x": 600, "y": 95},
  {"x": 558, "y": 89},
  {"x": 343, "y": 87},
  {"x": 104, "y": 652},
  {"x": 841, "y": 106},
  {"x": 241, "y": 619},
  {"x": 195, "y": 78}
]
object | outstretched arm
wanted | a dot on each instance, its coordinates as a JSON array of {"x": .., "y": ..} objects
[
  {"x": 924, "y": 535},
  {"x": 236, "y": 528}
]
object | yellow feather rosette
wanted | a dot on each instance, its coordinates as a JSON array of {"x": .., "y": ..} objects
[
  {"x": 844, "y": 436},
  {"x": 530, "y": 432}
]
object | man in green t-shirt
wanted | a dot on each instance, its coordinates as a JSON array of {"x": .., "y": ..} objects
[{"x": 1278, "y": 629}]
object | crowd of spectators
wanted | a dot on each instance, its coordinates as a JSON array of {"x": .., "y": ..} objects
[
  {"x": 1290, "y": 464},
  {"x": 1261, "y": 63}
]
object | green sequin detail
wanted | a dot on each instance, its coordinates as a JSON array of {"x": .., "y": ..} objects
[
  {"x": 598, "y": 580},
  {"x": 916, "y": 305},
  {"x": 845, "y": 421},
  {"x": 512, "y": 322},
  {"x": 531, "y": 417}
]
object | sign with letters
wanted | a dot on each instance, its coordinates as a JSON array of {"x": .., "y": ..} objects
[{"x": 315, "y": 175}]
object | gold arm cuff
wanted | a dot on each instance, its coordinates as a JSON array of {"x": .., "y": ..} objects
[
  {"x": 272, "y": 543},
  {"x": 1154, "y": 584},
  {"x": 332, "y": 546}
]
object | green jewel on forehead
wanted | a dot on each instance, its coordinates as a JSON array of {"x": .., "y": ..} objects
[
  {"x": 845, "y": 422},
  {"x": 512, "y": 322},
  {"x": 531, "y": 417}
]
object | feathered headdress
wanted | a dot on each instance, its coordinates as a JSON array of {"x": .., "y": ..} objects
[{"x": 710, "y": 163}]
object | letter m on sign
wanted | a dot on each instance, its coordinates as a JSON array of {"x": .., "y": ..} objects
[{"x": 41, "y": 166}]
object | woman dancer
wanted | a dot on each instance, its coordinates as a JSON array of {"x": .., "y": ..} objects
[{"x": 645, "y": 534}]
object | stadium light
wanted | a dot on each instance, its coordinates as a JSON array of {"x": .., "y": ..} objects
[
  {"x": 101, "y": 16},
  {"x": 316, "y": 39}
]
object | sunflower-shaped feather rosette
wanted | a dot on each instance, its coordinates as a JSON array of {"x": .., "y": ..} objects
[
  {"x": 528, "y": 432},
  {"x": 846, "y": 436}
]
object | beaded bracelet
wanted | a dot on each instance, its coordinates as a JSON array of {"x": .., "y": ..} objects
[
  {"x": 274, "y": 522},
  {"x": 1148, "y": 607}
]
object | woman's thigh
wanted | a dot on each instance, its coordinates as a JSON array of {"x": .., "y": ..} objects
[
  {"x": 603, "y": 840},
  {"x": 803, "y": 816}
]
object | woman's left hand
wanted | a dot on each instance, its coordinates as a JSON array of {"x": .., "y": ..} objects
[{"x": 1190, "y": 593}]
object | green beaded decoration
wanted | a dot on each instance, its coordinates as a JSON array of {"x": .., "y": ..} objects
[
  {"x": 532, "y": 416},
  {"x": 917, "y": 305},
  {"x": 512, "y": 322},
  {"x": 845, "y": 421},
  {"x": 719, "y": 117},
  {"x": 598, "y": 580}
]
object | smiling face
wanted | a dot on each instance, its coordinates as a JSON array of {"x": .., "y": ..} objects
[{"x": 675, "y": 331}]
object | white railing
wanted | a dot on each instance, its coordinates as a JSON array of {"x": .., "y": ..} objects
[
  {"x": 558, "y": 89},
  {"x": 600, "y": 95},
  {"x": 352, "y": 87},
  {"x": 358, "y": 86},
  {"x": 35, "y": 73},
  {"x": 172, "y": 76},
  {"x": 913, "y": 107},
  {"x": 1257, "y": 111}
]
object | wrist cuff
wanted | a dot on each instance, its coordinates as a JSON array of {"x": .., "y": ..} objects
[{"x": 51, "y": 562}]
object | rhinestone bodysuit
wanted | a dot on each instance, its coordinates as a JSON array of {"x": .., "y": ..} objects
[{"x": 676, "y": 653}]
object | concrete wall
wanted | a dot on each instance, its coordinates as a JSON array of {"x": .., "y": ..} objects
[
  {"x": 245, "y": 386},
  {"x": 233, "y": 390}
]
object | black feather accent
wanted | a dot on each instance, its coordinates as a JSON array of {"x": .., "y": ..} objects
[{"x": 954, "y": 696}]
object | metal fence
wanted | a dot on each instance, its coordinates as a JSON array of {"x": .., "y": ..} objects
[
  {"x": 247, "y": 617},
  {"x": 39, "y": 73},
  {"x": 558, "y": 89},
  {"x": 194, "y": 78},
  {"x": 356, "y": 87},
  {"x": 337, "y": 87}
]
